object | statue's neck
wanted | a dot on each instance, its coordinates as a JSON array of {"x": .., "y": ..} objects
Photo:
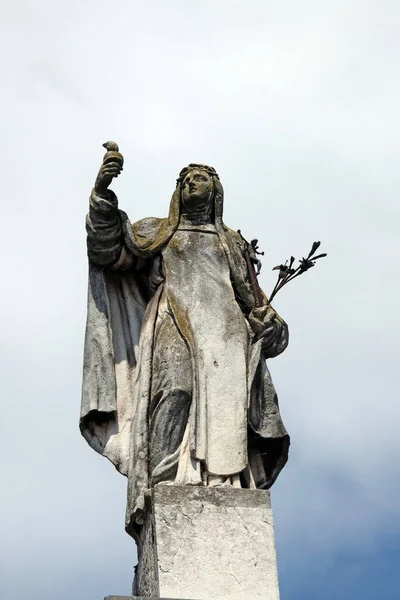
[{"x": 196, "y": 218}]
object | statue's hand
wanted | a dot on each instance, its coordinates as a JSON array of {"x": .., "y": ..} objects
[
  {"x": 105, "y": 176},
  {"x": 265, "y": 322},
  {"x": 112, "y": 166},
  {"x": 271, "y": 328}
]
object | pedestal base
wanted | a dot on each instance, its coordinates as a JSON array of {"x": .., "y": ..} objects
[
  {"x": 134, "y": 598},
  {"x": 207, "y": 544}
]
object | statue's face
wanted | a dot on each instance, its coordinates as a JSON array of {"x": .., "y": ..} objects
[{"x": 197, "y": 188}]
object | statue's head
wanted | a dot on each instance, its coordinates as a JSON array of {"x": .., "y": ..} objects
[{"x": 197, "y": 187}]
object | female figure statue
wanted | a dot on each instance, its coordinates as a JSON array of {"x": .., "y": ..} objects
[{"x": 176, "y": 390}]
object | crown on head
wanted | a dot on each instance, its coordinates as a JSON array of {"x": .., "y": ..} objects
[{"x": 210, "y": 170}]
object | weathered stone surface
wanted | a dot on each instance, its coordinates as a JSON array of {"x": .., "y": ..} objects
[
  {"x": 136, "y": 598},
  {"x": 208, "y": 544},
  {"x": 177, "y": 338},
  {"x": 176, "y": 390}
]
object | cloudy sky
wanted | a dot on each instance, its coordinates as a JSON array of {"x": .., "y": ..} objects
[{"x": 296, "y": 105}]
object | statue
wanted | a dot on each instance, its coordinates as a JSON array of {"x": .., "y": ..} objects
[{"x": 176, "y": 389}]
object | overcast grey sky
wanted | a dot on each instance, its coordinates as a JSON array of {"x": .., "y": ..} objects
[{"x": 296, "y": 106}]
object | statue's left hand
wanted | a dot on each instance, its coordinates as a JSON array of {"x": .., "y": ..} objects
[
  {"x": 269, "y": 327},
  {"x": 266, "y": 323}
]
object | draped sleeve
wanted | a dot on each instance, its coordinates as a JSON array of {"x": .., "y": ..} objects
[
  {"x": 104, "y": 231},
  {"x": 119, "y": 289}
]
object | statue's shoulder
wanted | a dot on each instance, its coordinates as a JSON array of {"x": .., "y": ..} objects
[
  {"x": 234, "y": 237},
  {"x": 149, "y": 227}
]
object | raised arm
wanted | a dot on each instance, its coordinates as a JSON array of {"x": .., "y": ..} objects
[{"x": 103, "y": 224}]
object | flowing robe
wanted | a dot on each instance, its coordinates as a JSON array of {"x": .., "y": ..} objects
[
  {"x": 200, "y": 295},
  {"x": 175, "y": 381}
]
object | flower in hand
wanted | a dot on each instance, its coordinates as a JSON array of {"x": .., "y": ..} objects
[{"x": 287, "y": 272}]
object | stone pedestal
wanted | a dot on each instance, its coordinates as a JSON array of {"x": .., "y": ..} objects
[{"x": 207, "y": 544}]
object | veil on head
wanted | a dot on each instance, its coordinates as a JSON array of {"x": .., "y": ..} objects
[
  {"x": 147, "y": 237},
  {"x": 218, "y": 190}
]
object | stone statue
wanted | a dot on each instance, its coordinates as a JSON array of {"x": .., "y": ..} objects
[{"x": 176, "y": 390}]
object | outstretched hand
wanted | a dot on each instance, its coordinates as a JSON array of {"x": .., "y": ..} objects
[{"x": 112, "y": 166}]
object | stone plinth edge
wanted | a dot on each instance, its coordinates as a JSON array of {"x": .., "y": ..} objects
[
  {"x": 208, "y": 544},
  {"x": 138, "y": 598}
]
